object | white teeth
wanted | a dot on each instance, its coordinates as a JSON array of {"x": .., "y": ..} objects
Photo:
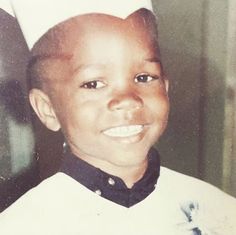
[{"x": 124, "y": 131}]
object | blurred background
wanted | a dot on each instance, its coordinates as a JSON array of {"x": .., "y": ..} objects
[{"x": 198, "y": 46}]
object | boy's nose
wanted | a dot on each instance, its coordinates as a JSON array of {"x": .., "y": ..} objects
[{"x": 127, "y": 102}]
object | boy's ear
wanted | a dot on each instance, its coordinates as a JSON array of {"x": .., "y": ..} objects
[{"x": 44, "y": 109}]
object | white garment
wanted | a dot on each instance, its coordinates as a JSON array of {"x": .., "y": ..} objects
[{"x": 62, "y": 206}]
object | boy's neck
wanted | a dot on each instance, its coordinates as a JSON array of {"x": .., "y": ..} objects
[{"x": 129, "y": 174}]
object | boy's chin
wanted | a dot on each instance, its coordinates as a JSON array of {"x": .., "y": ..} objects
[{"x": 127, "y": 159}]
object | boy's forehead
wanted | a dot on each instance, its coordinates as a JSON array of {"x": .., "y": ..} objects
[{"x": 62, "y": 38}]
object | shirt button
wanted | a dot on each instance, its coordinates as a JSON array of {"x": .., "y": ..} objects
[
  {"x": 98, "y": 192},
  {"x": 111, "y": 181}
]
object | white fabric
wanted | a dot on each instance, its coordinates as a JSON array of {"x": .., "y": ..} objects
[
  {"x": 36, "y": 17},
  {"x": 6, "y": 6},
  {"x": 62, "y": 206}
]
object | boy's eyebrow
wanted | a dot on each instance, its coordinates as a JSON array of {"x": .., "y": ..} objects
[
  {"x": 153, "y": 60},
  {"x": 81, "y": 67},
  {"x": 87, "y": 66}
]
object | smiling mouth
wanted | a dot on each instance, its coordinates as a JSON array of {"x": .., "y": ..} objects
[{"x": 124, "y": 131}]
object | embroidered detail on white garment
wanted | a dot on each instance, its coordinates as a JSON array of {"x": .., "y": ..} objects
[
  {"x": 200, "y": 221},
  {"x": 190, "y": 210}
]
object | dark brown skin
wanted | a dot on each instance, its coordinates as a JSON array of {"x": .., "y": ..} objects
[{"x": 111, "y": 77}]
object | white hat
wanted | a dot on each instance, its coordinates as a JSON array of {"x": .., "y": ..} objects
[
  {"x": 6, "y": 6},
  {"x": 36, "y": 17}
]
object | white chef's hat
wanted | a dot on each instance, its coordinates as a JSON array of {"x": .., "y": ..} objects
[
  {"x": 6, "y": 6},
  {"x": 36, "y": 17}
]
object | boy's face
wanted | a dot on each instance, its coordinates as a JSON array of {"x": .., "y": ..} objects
[{"x": 110, "y": 98}]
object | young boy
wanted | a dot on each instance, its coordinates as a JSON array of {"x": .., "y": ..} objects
[{"x": 96, "y": 74}]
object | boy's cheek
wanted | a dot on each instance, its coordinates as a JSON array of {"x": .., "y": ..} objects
[
  {"x": 160, "y": 111},
  {"x": 159, "y": 101}
]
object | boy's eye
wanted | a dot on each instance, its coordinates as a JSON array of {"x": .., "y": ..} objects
[
  {"x": 93, "y": 85},
  {"x": 145, "y": 78}
]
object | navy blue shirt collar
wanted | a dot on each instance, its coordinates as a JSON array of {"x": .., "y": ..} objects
[{"x": 112, "y": 187}]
